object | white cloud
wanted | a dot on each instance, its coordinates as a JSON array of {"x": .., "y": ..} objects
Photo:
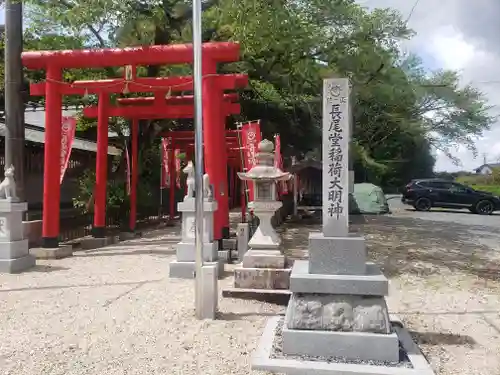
[{"x": 460, "y": 35}]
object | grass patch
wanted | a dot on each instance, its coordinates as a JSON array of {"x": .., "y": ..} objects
[{"x": 494, "y": 189}]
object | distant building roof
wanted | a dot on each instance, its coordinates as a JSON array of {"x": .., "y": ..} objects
[
  {"x": 34, "y": 131},
  {"x": 36, "y": 117},
  {"x": 490, "y": 165},
  {"x": 306, "y": 164}
]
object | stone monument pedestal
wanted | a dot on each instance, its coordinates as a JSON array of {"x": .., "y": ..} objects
[
  {"x": 14, "y": 248},
  {"x": 184, "y": 266},
  {"x": 338, "y": 323},
  {"x": 337, "y": 308}
]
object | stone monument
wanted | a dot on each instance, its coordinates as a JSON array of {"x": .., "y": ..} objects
[
  {"x": 184, "y": 266},
  {"x": 14, "y": 248},
  {"x": 264, "y": 265},
  {"x": 337, "y": 321}
]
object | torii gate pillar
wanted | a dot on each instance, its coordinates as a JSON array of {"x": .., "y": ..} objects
[
  {"x": 214, "y": 138},
  {"x": 52, "y": 162}
]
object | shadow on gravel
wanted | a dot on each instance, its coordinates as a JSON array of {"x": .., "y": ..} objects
[
  {"x": 241, "y": 316},
  {"x": 408, "y": 245},
  {"x": 448, "y": 211},
  {"x": 45, "y": 269},
  {"x": 439, "y": 339},
  {"x": 104, "y": 252}
]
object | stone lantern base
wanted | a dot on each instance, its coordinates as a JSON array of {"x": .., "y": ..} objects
[{"x": 264, "y": 270}]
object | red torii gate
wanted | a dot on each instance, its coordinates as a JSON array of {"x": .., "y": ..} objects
[
  {"x": 158, "y": 109},
  {"x": 55, "y": 61}
]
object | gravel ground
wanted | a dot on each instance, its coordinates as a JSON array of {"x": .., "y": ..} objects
[{"x": 114, "y": 311}]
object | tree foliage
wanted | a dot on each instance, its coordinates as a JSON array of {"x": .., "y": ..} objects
[{"x": 400, "y": 111}]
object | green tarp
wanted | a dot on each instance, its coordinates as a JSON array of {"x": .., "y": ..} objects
[{"x": 369, "y": 199}]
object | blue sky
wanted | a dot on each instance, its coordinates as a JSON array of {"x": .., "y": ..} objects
[{"x": 460, "y": 35}]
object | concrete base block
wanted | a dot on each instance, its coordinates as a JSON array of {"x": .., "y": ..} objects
[
  {"x": 263, "y": 259},
  {"x": 17, "y": 265},
  {"x": 374, "y": 283},
  {"x": 263, "y": 361},
  {"x": 14, "y": 249},
  {"x": 186, "y": 252},
  {"x": 261, "y": 278},
  {"x": 91, "y": 243},
  {"x": 185, "y": 270},
  {"x": 210, "y": 298},
  {"x": 351, "y": 345},
  {"x": 60, "y": 252},
  {"x": 337, "y": 255}
]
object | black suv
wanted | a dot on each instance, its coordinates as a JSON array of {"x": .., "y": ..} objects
[{"x": 427, "y": 193}]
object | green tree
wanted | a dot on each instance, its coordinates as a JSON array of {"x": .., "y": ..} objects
[{"x": 288, "y": 47}]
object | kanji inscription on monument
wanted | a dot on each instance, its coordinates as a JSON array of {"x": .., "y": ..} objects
[
  {"x": 3, "y": 224},
  {"x": 336, "y": 157}
]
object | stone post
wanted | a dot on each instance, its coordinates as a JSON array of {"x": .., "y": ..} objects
[{"x": 242, "y": 234}]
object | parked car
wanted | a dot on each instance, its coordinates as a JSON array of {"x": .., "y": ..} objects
[{"x": 423, "y": 194}]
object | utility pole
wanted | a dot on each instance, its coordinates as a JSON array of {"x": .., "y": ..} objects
[{"x": 14, "y": 102}]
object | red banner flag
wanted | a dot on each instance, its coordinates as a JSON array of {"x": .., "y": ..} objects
[
  {"x": 278, "y": 163},
  {"x": 127, "y": 159},
  {"x": 68, "y": 130},
  {"x": 251, "y": 137},
  {"x": 177, "y": 168},
  {"x": 278, "y": 160},
  {"x": 165, "y": 171}
]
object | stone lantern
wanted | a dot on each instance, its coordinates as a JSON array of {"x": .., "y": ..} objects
[{"x": 264, "y": 265}]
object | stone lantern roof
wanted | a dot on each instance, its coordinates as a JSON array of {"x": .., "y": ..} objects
[{"x": 265, "y": 169}]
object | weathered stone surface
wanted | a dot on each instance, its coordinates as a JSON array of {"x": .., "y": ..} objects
[
  {"x": 343, "y": 313},
  {"x": 261, "y": 278},
  {"x": 264, "y": 259}
]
